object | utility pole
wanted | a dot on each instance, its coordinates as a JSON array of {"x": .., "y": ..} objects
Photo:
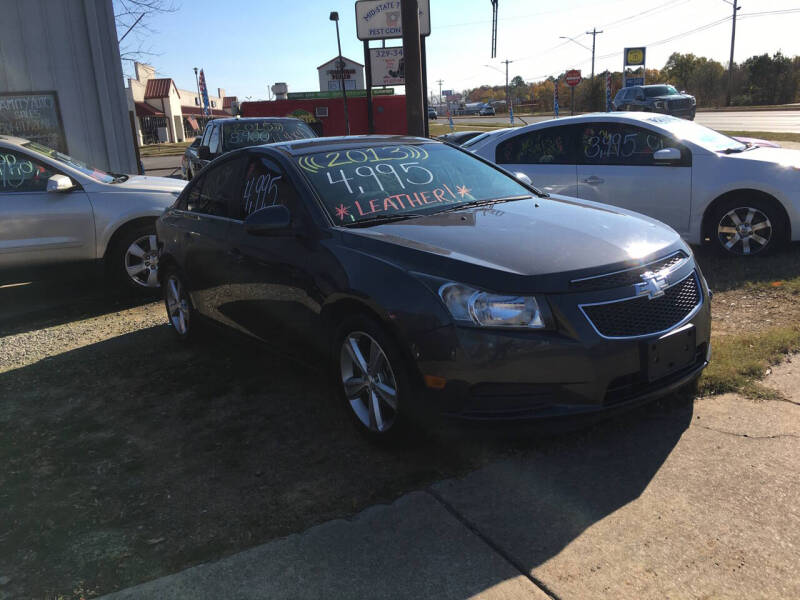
[
  {"x": 736, "y": 7},
  {"x": 508, "y": 98},
  {"x": 334, "y": 16},
  {"x": 412, "y": 53},
  {"x": 594, "y": 34},
  {"x": 440, "y": 82}
]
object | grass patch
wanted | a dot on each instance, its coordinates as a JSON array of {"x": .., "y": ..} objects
[
  {"x": 739, "y": 363},
  {"x": 440, "y": 128},
  {"x": 779, "y": 272},
  {"x": 773, "y": 136},
  {"x": 171, "y": 149}
]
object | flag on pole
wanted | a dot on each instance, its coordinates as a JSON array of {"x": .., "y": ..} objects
[
  {"x": 204, "y": 94},
  {"x": 511, "y": 113},
  {"x": 608, "y": 91},
  {"x": 555, "y": 99}
]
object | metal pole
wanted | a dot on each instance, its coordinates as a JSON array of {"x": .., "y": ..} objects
[
  {"x": 341, "y": 80},
  {"x": 508, "y": 98},
  {"x": 412, "y": 54},
  {"x": 572, "y": 97},
  {"x": 730, "y": 64},
  {"x": 425, "y": 85},
  {"x": 594, "y": 34},
  {"x": 368, "y": 69}
]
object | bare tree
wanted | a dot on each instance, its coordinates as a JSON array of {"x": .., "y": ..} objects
[{"x": 133, "y": 19}]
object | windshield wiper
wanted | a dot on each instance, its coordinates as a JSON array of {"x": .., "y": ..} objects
[
  {"x": 474, "y": 203},
  {"x": 382, "y": 219}
]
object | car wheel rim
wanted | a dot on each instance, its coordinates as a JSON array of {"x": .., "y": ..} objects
[
  {"x": 744, "y": 230},
  {"x": 141, "y": 261},
  {"x": 177, "y": 306},
  {"x": 368, "y": 381}
]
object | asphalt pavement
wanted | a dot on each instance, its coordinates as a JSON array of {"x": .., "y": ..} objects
[
  {"x": 690, "y": 501},
  {"x": 774, "y": 120}
]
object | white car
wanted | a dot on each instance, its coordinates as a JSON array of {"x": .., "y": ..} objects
[
  {"x": 54, "y": 209},
  {"x": 706, "y": 185}
]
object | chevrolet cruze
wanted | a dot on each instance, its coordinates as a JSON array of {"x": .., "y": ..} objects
[{"x": 434, "y": 284}]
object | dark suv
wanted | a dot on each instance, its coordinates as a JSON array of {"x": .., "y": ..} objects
[{"x": 659, "y": 98}]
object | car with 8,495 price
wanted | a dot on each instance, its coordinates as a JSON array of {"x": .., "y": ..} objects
[{"x": 432, "y": 284}]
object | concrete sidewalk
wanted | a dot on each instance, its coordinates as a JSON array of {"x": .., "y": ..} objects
[{"x": 685, "y": 502}]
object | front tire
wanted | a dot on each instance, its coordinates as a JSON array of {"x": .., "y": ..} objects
[
  {"x": 371, "y": 377},
  {"x": 748, "y": 227},
  {"x": 133, "y": 259},
  {"x": 180, "y": 312}
]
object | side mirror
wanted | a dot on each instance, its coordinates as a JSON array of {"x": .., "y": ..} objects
[
  {"x": 204, "y": 153},
  {"x": 60, "y": 183},
  {"x": 667, "y": 155},
  {"x": 523, "y": 178},
  {"x": 268, "y": 220}
]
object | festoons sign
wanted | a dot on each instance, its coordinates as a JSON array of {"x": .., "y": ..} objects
[{"x": 380, "y": 19}]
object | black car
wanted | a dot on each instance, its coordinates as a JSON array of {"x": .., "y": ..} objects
[
  {"x": 432, "y": 283},
  {"x": 458, "y": 137},
  {"x": 223, "y": 135},
  {"x": 432, "y": 114},
  {"x": 656, "y": 98}
]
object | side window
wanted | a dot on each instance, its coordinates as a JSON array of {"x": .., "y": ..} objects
[
  {"x": 545, "y": 146},
  {"x": 621, "y": 144},
  {"x": 191, "y": 202},
  {"x": 21, "y": 173},
  {"x": 265, "y": 184},
  {"x": 213, "y": 142},
  {"x": 212, "y": 193},
  {"x": 207, "y": 134}
]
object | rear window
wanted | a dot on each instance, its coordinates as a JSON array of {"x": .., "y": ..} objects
[
  {"x": 366, "y": 183},
  {"x": 241, "y": 134}
]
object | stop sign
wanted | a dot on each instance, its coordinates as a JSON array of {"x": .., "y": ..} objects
[{"x": 573, "y": 77}]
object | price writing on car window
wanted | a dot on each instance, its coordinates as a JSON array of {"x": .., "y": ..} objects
[
  {"x": 398, "y": 203},
  {"x": 315, "y": 163},
  {"x": 260, "y": 191},
  {"x": 255, "y": 132},
  {"x": 13, "y": 173},
  {"x": 601, "y": 143}
]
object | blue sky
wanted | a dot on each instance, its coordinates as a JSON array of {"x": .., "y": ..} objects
[{"x": 246, "y": 45}]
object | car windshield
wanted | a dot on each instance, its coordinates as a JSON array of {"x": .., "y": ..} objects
[
  {"x": 695, "y": 133},
  {"x": 65, "y": 159},
  {"x": 240, "y": 134},
  {"x": 379, "y": 183},
  {"x": 659, "y": 90}
]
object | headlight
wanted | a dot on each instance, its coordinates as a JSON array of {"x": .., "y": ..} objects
[
  {"x": 659, "y": 104},
  {"x": 491, "y": 310},
  {"x": 694, "y": 100}
]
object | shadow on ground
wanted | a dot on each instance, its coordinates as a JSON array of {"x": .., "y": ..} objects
[{"x": 138, "y": 456}]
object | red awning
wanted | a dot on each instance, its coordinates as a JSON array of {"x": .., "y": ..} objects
[
  {"x": 143, "y": 109},
  {"x": 193, "y": 122},
  {"x": 196, "y": 110}
]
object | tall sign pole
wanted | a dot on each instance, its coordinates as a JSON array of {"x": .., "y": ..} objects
[
  {"x": 594, "y": 34},
  {"x": 335, "y": 17},
  {"x": 736, "y": 7},
  {"x": 368, "y": 69},
  {"x": 412, "y": 54}
]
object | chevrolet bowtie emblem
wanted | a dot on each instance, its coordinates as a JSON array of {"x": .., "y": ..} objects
[{"x": 653, "y": 285}]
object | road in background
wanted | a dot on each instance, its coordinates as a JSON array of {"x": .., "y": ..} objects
[
  {"x": 162, "y": 166},
  {"x": 773, "y": 120}
]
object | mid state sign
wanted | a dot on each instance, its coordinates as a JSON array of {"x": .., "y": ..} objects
[{"x": 380, "y": 19}]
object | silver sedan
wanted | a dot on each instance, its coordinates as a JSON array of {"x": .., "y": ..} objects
[{"x": 55, "y": 209}]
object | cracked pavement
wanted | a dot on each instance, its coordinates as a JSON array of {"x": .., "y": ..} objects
[{"x": 688, "y": 501}]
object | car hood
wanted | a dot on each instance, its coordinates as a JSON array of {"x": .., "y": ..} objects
[
  {"x": 146, "y": 183},
  {"x": 784, "y": 157},
  {"x": 544, "y": 241},
  {"x": 671, "y": 97}
]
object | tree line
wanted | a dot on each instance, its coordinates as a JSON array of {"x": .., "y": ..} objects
[{"x": 759, "y": 80}]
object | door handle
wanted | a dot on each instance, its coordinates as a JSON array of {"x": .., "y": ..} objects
[{"x": 593, "y": 180}]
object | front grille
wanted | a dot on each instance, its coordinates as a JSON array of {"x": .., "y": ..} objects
[
  {"x": 680, "y": 103},
  {"x": 643, "y": 316},
  {"x": 629, "y": 277}
]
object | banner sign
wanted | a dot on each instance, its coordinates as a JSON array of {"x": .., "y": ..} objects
[
  {"x": 388, "y": 66},
  {"x": 555, "y": 97},
  {"x": 380, "y": 19},
  {"x": 204, "y": 94},
  {"x": 631, "y": 81},
  {"x": 338, "y": 94},
  {"x": 35, "y": 116}
]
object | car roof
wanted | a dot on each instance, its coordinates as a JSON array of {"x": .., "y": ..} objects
[
  {"x": 250, "y": 119},
  {"x": 329, "y": 144}
]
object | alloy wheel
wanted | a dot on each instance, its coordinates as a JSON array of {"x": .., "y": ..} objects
[
  {"x": 141, "y": 261},
  {"x": 177, "y": 305},
  {"x": 369, "y": 382},
  {"x": 744, "y": 230}
]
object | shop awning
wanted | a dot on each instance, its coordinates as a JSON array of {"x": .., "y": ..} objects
[
  {"x": 193, "y": 122},
  {"x": 143, "y": 109}
]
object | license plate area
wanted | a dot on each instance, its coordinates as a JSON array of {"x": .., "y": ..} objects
[{"x": 671, "y": 352}]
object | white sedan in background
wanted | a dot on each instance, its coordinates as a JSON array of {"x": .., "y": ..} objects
[
  {"x": 54, "y": 209},
  {"x": 741, "y": 197}
]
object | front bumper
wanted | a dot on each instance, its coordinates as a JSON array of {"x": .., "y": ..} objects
[{"x": 500, "y": 376}]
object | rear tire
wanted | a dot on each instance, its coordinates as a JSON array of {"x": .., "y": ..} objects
[
  {"x": 747, "y": 227},
  {"x": 371, "y": 378},
  {"x": 180, "y": 311}
]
